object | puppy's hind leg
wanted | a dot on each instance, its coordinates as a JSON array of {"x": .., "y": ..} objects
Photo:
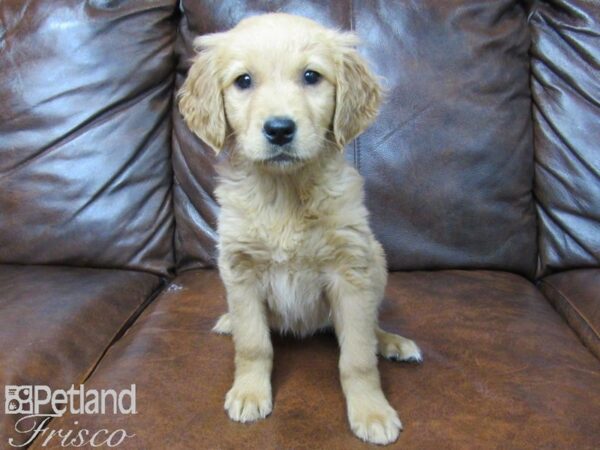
[
  {"x": 398, "y": 348},
  {"x": 223, "y": 325}
]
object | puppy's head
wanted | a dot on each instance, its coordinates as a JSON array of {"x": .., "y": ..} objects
[{"x": 282, "y": 87}]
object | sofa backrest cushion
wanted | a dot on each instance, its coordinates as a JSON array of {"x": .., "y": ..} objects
[
  {"x": 448, "y": 163},
  {"x": 565, "y": 84},
  {"x": 85, "y": 101}
]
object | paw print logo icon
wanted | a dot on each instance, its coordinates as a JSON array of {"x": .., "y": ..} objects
[{"x": 18, "y": 399}]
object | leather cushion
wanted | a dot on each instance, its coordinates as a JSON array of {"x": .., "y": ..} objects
[
  {"x": 85, "y": 176},
  {"x": 448, "y": 163},
  {"x": 501, "y": 369},
  {"x": 56, "y": 323}
]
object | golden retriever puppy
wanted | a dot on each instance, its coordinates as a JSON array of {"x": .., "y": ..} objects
[{"x": 296, "y": 254}]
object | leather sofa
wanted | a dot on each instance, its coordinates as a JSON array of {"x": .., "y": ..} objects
[{"x": 482, "y": 178}]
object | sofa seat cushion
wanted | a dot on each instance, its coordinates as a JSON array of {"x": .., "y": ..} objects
[
  {"x": 576, "y": 295},
  {"x": 57, "y": 322},
  {"x": 501, "y": 368}
]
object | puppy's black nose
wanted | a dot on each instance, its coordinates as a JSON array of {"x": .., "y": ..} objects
[{"x": 279, "y": 130}]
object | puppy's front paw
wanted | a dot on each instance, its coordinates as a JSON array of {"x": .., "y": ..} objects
[
  {"x": 374, "y": 421},
  {"x": 247, "y": 403}
]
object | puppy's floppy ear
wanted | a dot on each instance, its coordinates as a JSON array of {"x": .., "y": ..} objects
[
  {"x": 200, "y": 97},
  {"x": 358, "y": 93}
]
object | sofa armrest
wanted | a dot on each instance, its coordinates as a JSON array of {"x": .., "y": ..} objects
[{"x": 576, "y": 295}]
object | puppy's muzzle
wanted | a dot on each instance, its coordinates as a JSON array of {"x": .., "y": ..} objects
[{"x": 279, "y": 130}]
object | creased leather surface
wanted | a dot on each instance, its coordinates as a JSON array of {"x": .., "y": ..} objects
[
  {"x": 56, "y": 322},
  {"x": 85, "y": 95},
  {"x": 576, "y": 295},
  {"x": 502, "y": 370},
  {"x": 566, "y": 94},
  {"x": 449, "y": 162}
]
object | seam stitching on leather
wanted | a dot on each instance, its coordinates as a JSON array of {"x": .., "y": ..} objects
[
  {"x": 573, "y": 307},
  {"x": 126, "y": 325}
]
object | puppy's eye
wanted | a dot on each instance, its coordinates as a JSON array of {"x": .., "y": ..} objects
[
  {"x": 311, "y": 77},
  {"x": 244, "y": 81}
]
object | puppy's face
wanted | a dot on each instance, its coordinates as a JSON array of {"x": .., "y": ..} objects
[
  {"x": 279, "y": 93},
  {"x": 282, "y": 87}
]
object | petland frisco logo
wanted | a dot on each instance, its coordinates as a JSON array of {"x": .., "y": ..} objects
[{"x": 39, "y": 404}]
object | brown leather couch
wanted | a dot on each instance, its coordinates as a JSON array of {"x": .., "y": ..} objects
[{"x": 482, "y": 178}]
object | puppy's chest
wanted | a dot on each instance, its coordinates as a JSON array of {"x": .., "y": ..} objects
[
  {"x": 294, "y": 239},
  {"x": 290, "y": 253},
  {"x": 295, "y": 299}
]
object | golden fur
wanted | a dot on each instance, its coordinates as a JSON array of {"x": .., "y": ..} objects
[{"x": 296, "y": 252}]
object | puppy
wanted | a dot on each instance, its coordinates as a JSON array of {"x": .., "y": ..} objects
[{"x": 296, "y": 253}]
